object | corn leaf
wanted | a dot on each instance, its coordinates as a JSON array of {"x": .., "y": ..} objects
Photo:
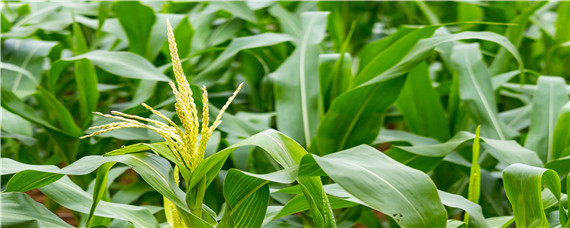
[{"x": 523, "y": 186}]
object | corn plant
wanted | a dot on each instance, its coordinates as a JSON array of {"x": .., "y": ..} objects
[{"x": 344, "y": 114}]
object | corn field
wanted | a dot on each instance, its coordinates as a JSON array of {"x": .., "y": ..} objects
[{"x": 285, "y": 114}]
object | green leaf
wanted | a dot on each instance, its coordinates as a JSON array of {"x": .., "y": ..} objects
[
  {"x": 296, "y": 84},
  {"x": 71, "y": 196},
  {"x": 523, "y": 186},
  {"x": 420, "y": 106},
  {"x": 375, "y": 179},
  {"x": 288, "y": 154},
  {"x": 238, "y": 9},
  {"x": 561, "y": 134},
  {"x": 475, "y": 175},
  {"x": 53, "y": 107},
  {"x": 124, "y": 64},
  {"x": 20, "y": 210},
  {"x": 549, "y": 98},
  {"x": 238, "y": 44},
  {"x": 29, "y": 55},
  {"x": 21, "y": 71},
  {"x": 247, "y": 197},
  {"x": 562, "y": 25},
  {"x": 346, "y": 125},
  {"x": 515, "y": 36},
  {"x": 99, "y": 189},
  {"x": 299, "y": 204},
  {"x": 334, "y": 76},
  {"x": 28, "y": 180},
  {"x": 224, "y": 32},
  {"x": 85, "y": 78},
  {"x": 422, "y": 50},
  {"x": 63, "y": 140},
  {"x": 421, "y": 157},
  {"x": 502, "y": 221},
  {"x": 13, "y": 104},
  {"x": 289, "y": 23},
  {"x": 137, "y": 20},
  {"x": 156, "y": 171},
  {"x": 392, "y": 54},
  {"x": 389, "y": 135},
  {"x": 476, "y": 91},
  {"x": 560, "y": 165},
  {"x": 476, "y": 218}
]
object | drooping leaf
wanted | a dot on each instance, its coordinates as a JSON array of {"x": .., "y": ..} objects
[
  {"x": 28, "y": 180},
  {"x": 376, "y": 179},
  {"x": 476, "y": 218},
  {"x": 238, "y": 44},
  {"x": 422, "y": 156},
  {"x": 238, "y": 9},
  {"x": 286, "y": 153},
  {"x": 71, "y": 196},
  {"x": 123, "y": 64},
  {"x": 156, "y": 171},
  {"x": 523, "y": 186},
  {"x": 421, "y": 51},
  {"x": 19, "y": 209}
]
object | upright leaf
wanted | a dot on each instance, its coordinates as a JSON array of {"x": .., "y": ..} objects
[
  {"x": 137, "y": 20},
  {"x": 420, "y": 105},
  {"x": 475, "y": 175},
  {"x": 334, "y": 80},
  {"x": 549, "y": 98},
  {"x": 85, "y": 78},
  {"x": 561, "y": 135},
  {"x": 476, "y": 91},
  {"x": 297, "y": 83},
  {"x": 99, "y": 189},
  {"x": 347, "y": 125}
]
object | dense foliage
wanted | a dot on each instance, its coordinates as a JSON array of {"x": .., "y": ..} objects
[{"x": 367, "y": 114}]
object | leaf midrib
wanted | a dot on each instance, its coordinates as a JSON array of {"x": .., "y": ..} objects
[
  {"x": 391, "y": 186},
  {"x": 480, "y": 94},
  {"x": 304, "y": 108}
]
